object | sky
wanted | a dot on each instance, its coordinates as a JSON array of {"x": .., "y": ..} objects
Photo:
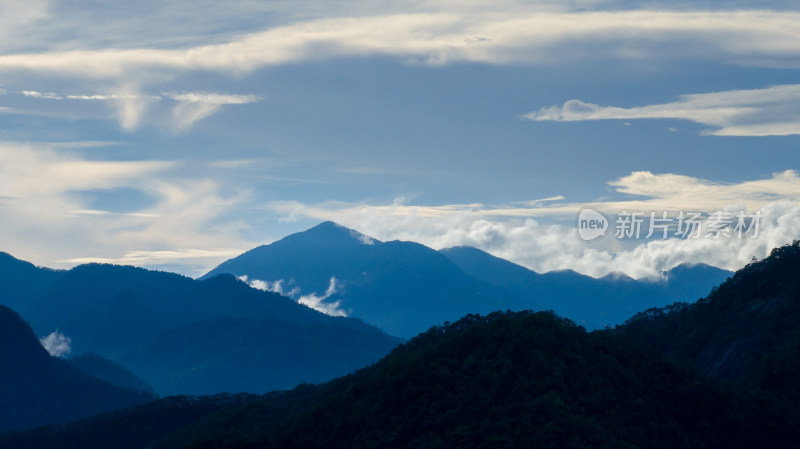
[{"x": 175, "y": 135}]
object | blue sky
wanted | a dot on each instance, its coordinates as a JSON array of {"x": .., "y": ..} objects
[{"x": 178, "y": 134}]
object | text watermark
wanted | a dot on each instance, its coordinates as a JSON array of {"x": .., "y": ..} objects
[{"x": 663, "y": 225}]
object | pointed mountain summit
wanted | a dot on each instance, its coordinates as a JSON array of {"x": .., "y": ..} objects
[
  {"x": 290, "y": 257},
  {"x": 38, "y": 389},
  {"x": 401, "y": 287},
  {"x": 329, "y": 233}
]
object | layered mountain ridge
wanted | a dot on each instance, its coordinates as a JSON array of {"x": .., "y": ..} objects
[
  {"x": 405, "y": 288},
  {"x": 521, "y": 379}
]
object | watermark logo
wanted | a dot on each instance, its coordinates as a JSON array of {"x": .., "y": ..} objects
[
  {"x": 591, "y": 224},
  {"x": 683, "y": 225}
]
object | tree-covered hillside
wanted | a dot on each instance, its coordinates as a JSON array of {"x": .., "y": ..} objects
[
  {"x": 507, "y": 380},
  {"x": 747, "y": 329}
]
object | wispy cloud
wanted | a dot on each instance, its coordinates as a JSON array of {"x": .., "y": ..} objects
[
  {"x": 38, "y": 173},
  {"x": 274, "y": 286},
  {"x": 46, "y": 95},
  {"x": 195, "y": 106},
  {"x": 757, "y": 112},
  {"x": 144, "y": 258},
  {"x": 130, "y": 105},
  {"x": 447, "y": 36},
  {"x": 47, "y": 222},
  {"x": 437, "y": 34},
  {"x": 670, "y": 192},
  {"x": 320, "y": 303}
]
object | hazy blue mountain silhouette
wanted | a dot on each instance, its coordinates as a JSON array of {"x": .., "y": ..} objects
[
  {"x": 589, "y": 301},
  {"x": 405, "y": 287},
  {"x": 248, "y": 355},
  {"x": 124, "y": 313},
  {"x": 37, "y": 389}
]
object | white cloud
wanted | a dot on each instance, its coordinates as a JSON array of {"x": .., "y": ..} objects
[
  {"x": 37, "y": 173},
  {"x": 546, "y": 243},
  {"x": 674, "y": 192},
  {"x": 275, "y": 286},
  {"x": 319, "y": 303},
  {"x": 452, "y": 35},
  {"x": 436, "y": 34},
  {"x": 195, "y": 106},
  {"x": 757, "y": 112},
  {"x": 46, "y": 95},
  {"x": 193, "y": 225},
  {"x": 57, "y": 344},
  {"x": 312, "y": 300},
  {"x": 46, "y": 222},
  {"x": 130, "y": 105},
  {"x": 654, "y": 191},
  {"x": 143, "y": 258},
  {"x": 212, "y": 98}
]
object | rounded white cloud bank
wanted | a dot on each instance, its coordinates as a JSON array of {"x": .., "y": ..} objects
[{"x": 546, "y": 238}]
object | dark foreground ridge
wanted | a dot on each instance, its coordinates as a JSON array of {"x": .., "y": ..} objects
[
  {"x": 746, "y": 330},
  {"x": 507, "y": 380}
]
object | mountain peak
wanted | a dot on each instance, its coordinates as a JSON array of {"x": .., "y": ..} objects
[{"x": 329, "y": 233}]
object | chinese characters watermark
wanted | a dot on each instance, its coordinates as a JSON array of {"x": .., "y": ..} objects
[{"x": 663, "y": 225}]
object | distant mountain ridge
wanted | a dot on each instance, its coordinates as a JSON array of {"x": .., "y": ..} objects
[
  {"x": 592, "y": 302},
  {"x": 119, "y": 312},
  {"x": 404, "y": 287},
  {"x": 21, "y": 280}
]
